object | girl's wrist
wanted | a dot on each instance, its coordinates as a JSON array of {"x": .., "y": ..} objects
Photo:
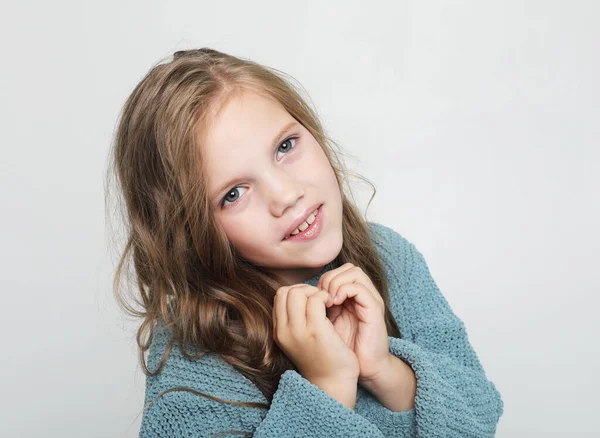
[
  {"x": 344, "y": 390},
  {"x": 378, "y": 375},
  {"x": 395, "y": 387}
]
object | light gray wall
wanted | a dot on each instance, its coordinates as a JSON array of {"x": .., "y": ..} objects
[{"x": 477, "y": 121}]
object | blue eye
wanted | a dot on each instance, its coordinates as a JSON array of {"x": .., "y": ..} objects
[
  {"x": 231, "y": 192},
  {"x": 288, "y": 140},
  {"x": 235, "y": 189}
]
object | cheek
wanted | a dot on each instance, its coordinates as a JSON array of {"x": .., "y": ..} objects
[
  {"x": 315, "y": 163},
  {"x": 249, "y": 245},
  {"x": 236, "y": 232},
  {"x": 244, "y": 235},
  {"x": 323, "y": 168}
]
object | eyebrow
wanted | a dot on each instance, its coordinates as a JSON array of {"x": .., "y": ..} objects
[{"x": 276, "y": 139}]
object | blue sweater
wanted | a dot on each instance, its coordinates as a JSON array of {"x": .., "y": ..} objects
[{"x": 453, "y": 398}]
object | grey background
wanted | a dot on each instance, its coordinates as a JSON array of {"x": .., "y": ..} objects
[{"x": 477, "y": 121}]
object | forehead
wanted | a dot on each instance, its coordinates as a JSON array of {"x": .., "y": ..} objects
[
  {"x": 237, "y": 133},
  {"x": 243, "y": 116}
]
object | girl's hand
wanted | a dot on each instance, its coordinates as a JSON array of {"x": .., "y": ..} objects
[
  {"x": 304, "y": 333},
  {"x": 359, "y": 321}
]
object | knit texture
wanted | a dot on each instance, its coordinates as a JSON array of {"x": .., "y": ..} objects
[{"x": 454, "y": 398}]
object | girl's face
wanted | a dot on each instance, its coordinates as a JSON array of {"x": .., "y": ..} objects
[{"x": 265, "y": 171}]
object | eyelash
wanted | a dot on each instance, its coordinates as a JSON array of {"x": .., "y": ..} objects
[{"x": 221, "y": 204}]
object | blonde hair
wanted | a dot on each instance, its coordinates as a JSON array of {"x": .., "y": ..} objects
[{"x": 188, "y": 275}]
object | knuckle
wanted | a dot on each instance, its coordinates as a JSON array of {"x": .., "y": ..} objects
[
  {"x": 311, "y": 334},
  {"x": 315, "y": 296},
  {"x": 355, "y": 268},
  {"x": 345, "y": 286},
  {"x": 313, "y": 300},
  {"x": 292, "y": 291}
]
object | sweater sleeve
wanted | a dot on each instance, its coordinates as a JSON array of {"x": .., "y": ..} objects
[
  {"x": 454, "y": 398},
  {"x": 298, "y": 408},
  {"x": 390, "y": 423}
]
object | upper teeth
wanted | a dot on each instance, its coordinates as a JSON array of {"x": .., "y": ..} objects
[{"x": 304, "y": 225}]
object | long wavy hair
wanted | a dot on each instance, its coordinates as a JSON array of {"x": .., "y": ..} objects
[{"x": 186, "y": 273}]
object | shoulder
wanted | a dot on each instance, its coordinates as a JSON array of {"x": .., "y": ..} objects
[
  {"x": 394, "y": 248},
  {"x": 209, "y": 373},
  {"x": 181, "y": 412},
  {"x": 414, "y": 294},
  {"x": 398, "y": 252},
  {"x": 384, "y": 233},
  {"x": 405, "y": 264}
]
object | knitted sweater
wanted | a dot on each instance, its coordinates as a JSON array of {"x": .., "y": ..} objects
[{"x": 453, "y": 397}]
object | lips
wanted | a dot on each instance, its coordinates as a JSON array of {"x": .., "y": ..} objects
[{"x": 302, "y": 217}]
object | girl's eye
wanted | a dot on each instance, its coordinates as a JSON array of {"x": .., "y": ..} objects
[
  {"x": 233, "y": 199},
  {"x": 288, "y": 141}
]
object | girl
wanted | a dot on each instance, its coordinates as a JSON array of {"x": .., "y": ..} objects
[{"x": 270, "y": 307}]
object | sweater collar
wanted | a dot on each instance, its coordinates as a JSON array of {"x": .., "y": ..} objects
[{"x": 313, "y": 281}]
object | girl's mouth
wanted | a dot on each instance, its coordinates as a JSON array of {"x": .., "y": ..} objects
[{"x": 311, "y": 232}]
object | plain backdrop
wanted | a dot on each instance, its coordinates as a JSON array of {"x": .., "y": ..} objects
[{"x": 477, "y": 121}]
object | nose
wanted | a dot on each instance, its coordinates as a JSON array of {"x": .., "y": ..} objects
[{"x": 283, "y": 191}]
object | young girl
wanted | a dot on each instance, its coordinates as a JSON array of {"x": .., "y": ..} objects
[{"x": 270, "y": 306}]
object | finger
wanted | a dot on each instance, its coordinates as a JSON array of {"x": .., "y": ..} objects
[
  {"x": 316, "y": 315},
  {"x": 296, "y": 306},
  {"x": 279, "y": 306},
  {"x": 325, "y": 279},
  {"x": 353, "y": 275},
  {"x": 360, "y": 293},
  {"x": 314, "y": 290}
]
